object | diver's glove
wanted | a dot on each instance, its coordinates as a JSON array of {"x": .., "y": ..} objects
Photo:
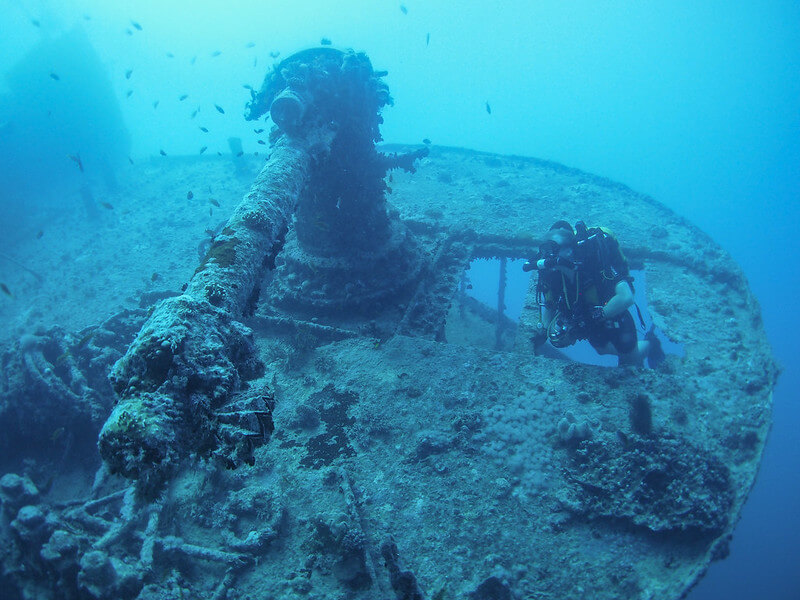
[{"x": 529, "y": 266}]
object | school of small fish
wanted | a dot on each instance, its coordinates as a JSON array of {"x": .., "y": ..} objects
[{"x": 136, "y": 26}]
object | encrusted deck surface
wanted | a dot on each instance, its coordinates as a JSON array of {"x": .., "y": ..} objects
[
  {"x": 465, "y": 455},
  {"x": 400, "y": 462}
]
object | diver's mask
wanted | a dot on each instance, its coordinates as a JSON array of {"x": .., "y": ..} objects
[{"x": 548, "y": 249}]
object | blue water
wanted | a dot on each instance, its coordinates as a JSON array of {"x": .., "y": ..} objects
[{"x": 694, "y": 103}]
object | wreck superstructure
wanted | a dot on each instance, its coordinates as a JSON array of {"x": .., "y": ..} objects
[{"x": 299, "y": 421}]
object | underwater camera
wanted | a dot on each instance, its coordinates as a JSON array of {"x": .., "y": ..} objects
[
  {"x": 549, "y": 257},
  {"x": 562, "y": 332}
]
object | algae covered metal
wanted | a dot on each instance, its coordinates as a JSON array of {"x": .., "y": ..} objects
[
  {"x": 194, "y": 353},
  {"x": 324, "y": 412}
]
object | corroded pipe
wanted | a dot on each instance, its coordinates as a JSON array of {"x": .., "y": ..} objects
[
  {"x": 192, "y": 353},
  {"x": 287, "y": 110}
]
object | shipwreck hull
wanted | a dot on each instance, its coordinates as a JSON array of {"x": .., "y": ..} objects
[
  {"x": 501, "y": 474},
  {"x": 402, "y": 464}
]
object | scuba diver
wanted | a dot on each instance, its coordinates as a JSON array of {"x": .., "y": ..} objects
[{"x": 584, "y": 290}]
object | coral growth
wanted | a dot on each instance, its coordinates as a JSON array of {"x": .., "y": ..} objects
[{"x": 664, "y": 484}]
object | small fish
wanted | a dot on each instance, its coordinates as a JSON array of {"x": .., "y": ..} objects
[
  {"x": 203, "y": 149},
  {"x": 130, "y": 160},
  {"x": 76, "y": 158},
  {"x": 190, "y": 195},
  {"x": 258, "y": 130},
  {"x": 426, "y": 141},
  {"x": 136, "y": 25},
  {"x": 403, "y": 9},
  {"x": 274, "y": 54},
  {"x": 55, "y": 77},
  {"x": 255, "y": 61},
  {"x": 250, "y": 45},
  {"x": 325, "y": 42},
  {"x": 128, "y": 73},
  {"x": 219, "y": 109},
  {"x": 204, "y": 129},
  {"x": 247, "y": 86},
  {"x": 170, "y": 55},
  {"x": 211, "y": 233},
  {"x": 216, "y": 53},
  {"x": 155, "y": 104},
  {"x": 5, "y": 290},
  {"x": 129, "y": 94},
  {"x": 128, "y": 31},
  {"x": 39, "y": 235},
  {"x": 210, "y": 212},
  {"x": 214, "y": 202},
  {"x": 162, "y": 153},
  {"x": 107, "y": 205},
  {"x": 488, "y": 108},
  {"x": 57, "y": 434},
  {"x": 87, "y": 336},
  {"x": 193, "y": 60},
  {"x": 155, "y": 277},
  {"x": 219, "y": 153},
  {"x": 35, "y": 23},
  {"x": 262, "y": 142},
  {"x": 239, "y": 153},
  {"x": 183, "y": 97},
  {"x": 427, "y": 39}
]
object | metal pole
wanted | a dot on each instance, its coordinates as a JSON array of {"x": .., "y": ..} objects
[{"x": 501, "y": 303}]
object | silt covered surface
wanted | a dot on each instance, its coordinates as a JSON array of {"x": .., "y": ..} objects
[{"x": 401, "y": 463}]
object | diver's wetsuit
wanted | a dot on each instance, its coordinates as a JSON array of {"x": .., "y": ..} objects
[{"x": 602, "y": 267}]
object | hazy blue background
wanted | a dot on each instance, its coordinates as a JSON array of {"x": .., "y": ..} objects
[{"x": 694, "y": 103}]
